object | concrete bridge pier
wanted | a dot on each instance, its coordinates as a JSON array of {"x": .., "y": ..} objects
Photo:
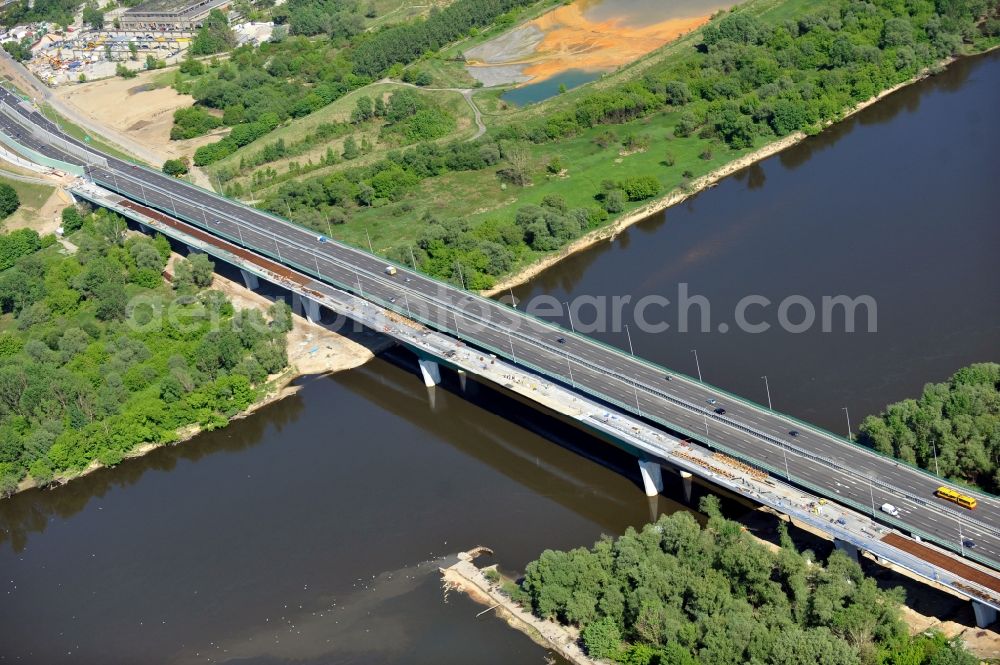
[
  {"x": 652, "y": 477},
  {"x": 250, "y": 280},
  {"x": 462, "y": 379},
  {"x": 847, "y": 548},
  {"x": 430, "y": 371},
  {"x": 307, "y": 307},
  {"x": 686, "y": 479},
  {"x": 194, "y": 250},
  {"x": 985, "y": 615}
]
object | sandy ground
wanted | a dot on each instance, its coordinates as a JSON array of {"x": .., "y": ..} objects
[
  {"x": 564, "y": 39},
  {"x": 676, "y": 196},
  {"x": 131, "y": 108},
  {"x": 45, "y": 219},
  {"x": 465, "y": 577}
]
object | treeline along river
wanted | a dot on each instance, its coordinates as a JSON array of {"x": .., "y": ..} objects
[{"x": 311, "y": 531}]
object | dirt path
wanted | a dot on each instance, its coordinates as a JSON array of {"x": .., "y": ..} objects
[{"x": 466, "y": 94}]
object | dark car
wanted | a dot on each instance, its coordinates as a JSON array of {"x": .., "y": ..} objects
[
  {"x": 668, "y": 377},
  {"x": 561, "y": 340},
  {"x": 969, "y": 542},
  {"x": 720, "y": 411},
  {"x": 794, "y": 432}
]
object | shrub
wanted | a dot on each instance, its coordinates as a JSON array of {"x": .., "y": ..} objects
[{"x": 9, "y": 201}]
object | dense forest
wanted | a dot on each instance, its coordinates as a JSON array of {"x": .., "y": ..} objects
[
  {"x": 748, "y": 81},
  {"x": 952, "y": 430},
  {"x": 675, "y": 593},
  {"x": 99, "y": 355}
]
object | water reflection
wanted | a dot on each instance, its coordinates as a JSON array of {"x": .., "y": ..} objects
[{"x": 32, "y": 511}]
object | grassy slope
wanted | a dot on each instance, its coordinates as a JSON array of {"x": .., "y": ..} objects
[
  {"x": 478, "y": 195},
  {"x": 81, "y": 134},
  {"x": 340, "y": 111}
]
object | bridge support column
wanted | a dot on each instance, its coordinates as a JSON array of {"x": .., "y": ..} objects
[
  {"x": 250, "y": 280},
  {"x": 194, "y": 250},
  {"x": 431, "y": 372},
  {"x": 985, "y": 615},
  {"x": 652, "y": 477},
  {"x": 847, "y": 548},
  {"x": 462, "y": 379},
  {"x": 311, "y": 308},
  {"x": 686, "y": 479}
]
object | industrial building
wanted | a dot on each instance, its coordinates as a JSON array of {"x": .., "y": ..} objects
[{"x": 166, "y": 15}]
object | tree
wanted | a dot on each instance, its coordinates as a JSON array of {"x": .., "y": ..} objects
[
  {"x": 602, "y": 639},
  {"x": 614, "y": 201},
  {"x": 350, "y": 148},
  {"x": 93, "y": 16},
  {"x": 948, "y": 430},
  {"x": 125, "y": 72},
  {"x": 72, "y": 220},
  {"x": 214, "y": 35},
  {"x": 9, "y": 202},
  {"x": 176, "y": 167}
]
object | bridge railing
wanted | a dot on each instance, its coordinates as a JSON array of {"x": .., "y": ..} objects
[{"x": 39, "y": 158}]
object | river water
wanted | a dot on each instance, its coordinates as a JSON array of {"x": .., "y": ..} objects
[{"x": 311, "y": 531}]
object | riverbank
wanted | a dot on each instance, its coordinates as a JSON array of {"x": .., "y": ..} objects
[
  {"x": 313, "y": 350},
  {"x": 465, "y": 577},
  {"x": 696, "y": 186}
]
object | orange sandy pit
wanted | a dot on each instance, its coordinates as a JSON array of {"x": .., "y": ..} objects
[{"x": 572, "y": 41}]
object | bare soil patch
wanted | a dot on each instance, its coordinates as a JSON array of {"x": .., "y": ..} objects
[{"x": 135, "y": 108}]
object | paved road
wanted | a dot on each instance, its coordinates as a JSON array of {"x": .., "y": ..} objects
[
  {"x": 815, "y": 459},
  {"x": 27, "y": 81}
]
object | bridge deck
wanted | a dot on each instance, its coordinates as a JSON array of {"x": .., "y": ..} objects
[{"x": 942, "y": 560}]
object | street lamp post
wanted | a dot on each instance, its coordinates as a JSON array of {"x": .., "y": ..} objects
[
  {"x": 370, "y": 248},
  {"x": 850, "y": 434},
  {"x": 784, "y": 454},
  {"x": 569, "y": 309},
  {"x": 871, "y": 490},
  {"x": 768, "y": 389},
  {"x": 510, "y": 340},
  {"x": 696, "y": 363},
  {"x": 937, "y": 472},
  {"x": 629, "y": 335}
]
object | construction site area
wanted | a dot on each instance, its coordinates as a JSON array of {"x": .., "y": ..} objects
[{"x": 157, "y": 31}]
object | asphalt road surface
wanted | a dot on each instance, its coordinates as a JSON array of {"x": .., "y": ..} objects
[{"x": 817, "y": 460}]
